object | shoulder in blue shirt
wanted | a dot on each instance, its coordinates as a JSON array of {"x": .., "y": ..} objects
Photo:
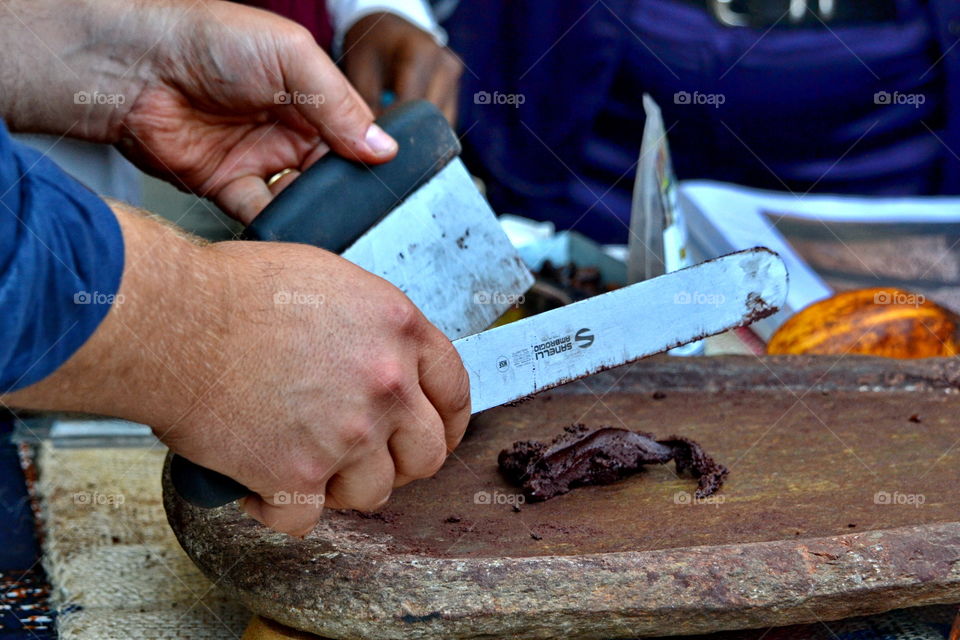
[{"x": 61, "y": 260}]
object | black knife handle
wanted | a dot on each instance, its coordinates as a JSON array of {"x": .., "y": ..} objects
[
  {"x": 330, "y": 205},
  {"x": 336, "y": 200},
  {"x": 203, "y": 487}
]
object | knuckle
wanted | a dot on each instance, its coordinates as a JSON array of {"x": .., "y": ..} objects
[
  {"x": 460, "y": 391},
  {"x": 390, "y": 379},
  {"x": 401, "y": 315},
  {"x": 435, "y": 462},
  {"x": 298, "y": 38},
  {"x": 384, "y": 500},
  {"x": 432, "y": 454},
  {"x": 375, "y": 501},
  {"x": 307, "y": 474},
  {"x": 346, "y": 116},
  {"x": 357, "y": 434},
  {"x": 372, "y": 503},
  {"x": 452, "y": 64}
]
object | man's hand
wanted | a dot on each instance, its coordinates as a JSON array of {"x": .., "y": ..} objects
[
  {"x": 382, "y": 51},
  {"x": 304, "y": 377},
  {"x": 213, "y": 96}
]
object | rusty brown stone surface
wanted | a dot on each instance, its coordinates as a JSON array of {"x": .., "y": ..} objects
[{"x": 796, "y": 535}]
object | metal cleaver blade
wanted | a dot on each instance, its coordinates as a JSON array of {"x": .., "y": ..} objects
[{"x": 445, "y": 249}]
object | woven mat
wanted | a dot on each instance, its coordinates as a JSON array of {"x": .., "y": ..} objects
[{"x": 116, "y": 568}]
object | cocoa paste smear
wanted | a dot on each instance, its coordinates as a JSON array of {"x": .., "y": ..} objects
[{"x": 581, "y": 457}]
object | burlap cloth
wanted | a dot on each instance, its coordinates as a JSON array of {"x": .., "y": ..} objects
[{"x": 116, "y": 568}]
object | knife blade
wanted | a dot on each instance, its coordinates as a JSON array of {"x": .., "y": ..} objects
[
  {"x": 537, "y": 353},
  {"x": 517, "y": 360},
  {"x": 446, "y": 229}
]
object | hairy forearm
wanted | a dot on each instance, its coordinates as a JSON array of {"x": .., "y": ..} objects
[{"x": 160, "y": 345}]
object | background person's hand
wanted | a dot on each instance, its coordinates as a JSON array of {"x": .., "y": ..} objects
[{"x": 382, "y": 51}]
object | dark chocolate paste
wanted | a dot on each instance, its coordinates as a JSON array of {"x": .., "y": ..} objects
[{"x": 580, "y": 457}]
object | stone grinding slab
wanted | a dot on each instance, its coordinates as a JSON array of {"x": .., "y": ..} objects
[{"x": 841, "y": 501}]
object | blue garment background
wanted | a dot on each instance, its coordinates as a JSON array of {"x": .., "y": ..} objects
[
  {"x": 61, "y": 260},
  {"x": 797, "y": 103}
]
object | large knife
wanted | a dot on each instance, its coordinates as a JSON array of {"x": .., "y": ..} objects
[{"x": 516, "y": 360}]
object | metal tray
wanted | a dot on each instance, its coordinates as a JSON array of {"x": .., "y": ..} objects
[{"x": 842, "y": 500}]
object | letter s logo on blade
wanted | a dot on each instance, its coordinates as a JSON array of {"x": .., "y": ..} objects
[{"x": 584, "y": 338}]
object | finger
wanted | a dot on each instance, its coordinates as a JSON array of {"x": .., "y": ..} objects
[
  {"x": 419, "y": 447},
  {"x": 244, "y": 198},
  {"x": 445, "y": 84},
  {"x": 318, "y": 152},
  {"x": 443, "y": 93},
  {"x": 364, "y": 484},
  {"x": 449, "y": 109},
  {"x": 344, "y": 121},
  {"x": 281, "y": 183},
  {"x": 366, "y": 73},
  {"x": 290, "y": 117},
  {"x": 412, "y": 72},
  {"x": 446, "y": 385},
  {"x": 294, "y": 519}
]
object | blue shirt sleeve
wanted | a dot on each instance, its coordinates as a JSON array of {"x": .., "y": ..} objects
[{"x": 61, "y": 259}]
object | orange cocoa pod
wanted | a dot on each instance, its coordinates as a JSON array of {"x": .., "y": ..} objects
[{"x": 881, "y": 322}]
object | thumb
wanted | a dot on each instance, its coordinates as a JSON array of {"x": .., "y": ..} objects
[{"x": 334, "y": 107}]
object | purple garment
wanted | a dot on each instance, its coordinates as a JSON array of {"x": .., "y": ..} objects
[
  {"x": 311, "y": 14},
  {"x": 798, "y": 106}
]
